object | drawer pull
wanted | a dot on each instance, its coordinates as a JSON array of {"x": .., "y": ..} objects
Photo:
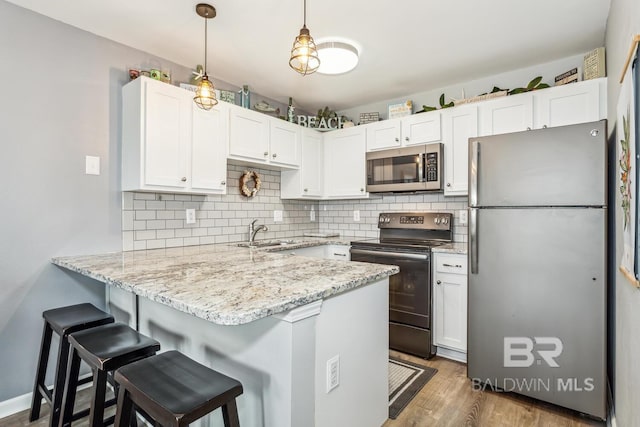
[
  {"x": 337, "y": 254},
  {"x": 439, "y": 282},
  {"x": 451, "y": 265}
]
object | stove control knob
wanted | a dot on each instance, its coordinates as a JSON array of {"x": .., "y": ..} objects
[
  {"x": 437, "y": 220},
  {"x": 381, "y": 219},
  {"x": 445, "y": 220},
  {"x": 387, "y": 220}
]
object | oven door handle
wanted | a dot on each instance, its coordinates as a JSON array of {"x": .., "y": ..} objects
[{"x": 401, "y": 255}]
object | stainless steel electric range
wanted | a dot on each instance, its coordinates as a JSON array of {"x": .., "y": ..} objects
[{"x": 405, "y": 240}]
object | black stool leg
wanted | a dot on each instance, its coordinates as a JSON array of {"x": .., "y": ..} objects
[
  {"x": 124, "y": 413},
  {"x": 96, "y": 415},
  {"x": 58, "y": 385},
  {"x": 43, "y": 359},
  {"x": 230, "y": 414},
  {"x": 69, "y": 399}
]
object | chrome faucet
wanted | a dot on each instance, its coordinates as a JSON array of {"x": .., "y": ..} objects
[{"x": 253, "y": 230}]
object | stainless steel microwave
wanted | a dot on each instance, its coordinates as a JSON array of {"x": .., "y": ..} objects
[{"x": 405, "y": 169}]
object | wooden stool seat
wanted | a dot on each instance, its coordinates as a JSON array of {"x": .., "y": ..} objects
[
  {"x": 104, "y": 348},
  {"x": 174, "y": 390},
  {"x": 64, "y": 321}
]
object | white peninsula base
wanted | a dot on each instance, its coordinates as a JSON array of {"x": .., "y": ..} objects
[{"x": 281, "y": 360}]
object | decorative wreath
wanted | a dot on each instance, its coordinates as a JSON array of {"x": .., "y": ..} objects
[{"x": 244, "y": 189}]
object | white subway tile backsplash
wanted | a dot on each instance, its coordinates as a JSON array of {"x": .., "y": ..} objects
[{"x": 152, "y": 220}]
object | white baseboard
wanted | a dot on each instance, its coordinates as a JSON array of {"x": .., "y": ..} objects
[
  {"x": 448, "y": 353},
  {"x": 21, "y": 403},
  {"x": 15, "y": 405}
]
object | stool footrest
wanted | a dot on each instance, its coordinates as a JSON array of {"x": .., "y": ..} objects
[{"x": 47, "y": 393}]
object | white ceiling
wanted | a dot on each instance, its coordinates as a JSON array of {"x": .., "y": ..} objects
[{"x": 407, "y": 46}]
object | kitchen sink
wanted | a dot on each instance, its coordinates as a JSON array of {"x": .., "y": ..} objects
[{"x": 266, "y": 243}]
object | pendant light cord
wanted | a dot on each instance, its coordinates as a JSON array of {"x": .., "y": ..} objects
[
  {"x": 304, "y": 18},
  {"x": 206, "y": 18}
]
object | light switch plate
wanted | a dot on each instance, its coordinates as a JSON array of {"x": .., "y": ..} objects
[
  {"x": 92, "y": 165},
  {"x": 356, "y": 215},
  {"x": 277, "y": 216}
]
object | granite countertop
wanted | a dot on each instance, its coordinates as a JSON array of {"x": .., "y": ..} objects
[
  {"x": 227, "y": 284},
  {"x": 451, "y": 248}
]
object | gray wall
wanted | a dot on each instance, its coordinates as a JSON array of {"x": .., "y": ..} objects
[
  {"x": 60, "y": 101},
  {"x": 623, "y": 23}
]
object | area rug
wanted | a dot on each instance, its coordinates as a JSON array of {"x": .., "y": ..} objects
[{"x": 406, "y": 379}]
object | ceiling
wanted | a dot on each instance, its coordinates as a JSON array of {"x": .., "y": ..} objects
[{"x": 407, "y": 46}]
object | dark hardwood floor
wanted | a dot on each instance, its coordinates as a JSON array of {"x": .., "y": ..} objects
[
  {"x": 449, "y": 400},
  {"x": 446, "y": 400}
]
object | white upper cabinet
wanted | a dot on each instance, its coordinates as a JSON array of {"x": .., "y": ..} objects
[
  {"x": 411, "y": 130},
  {"x": 344, "y": 158},
  {"x": 284, "y": 143},
  {"x": 262, "y": 140},
  {"x": 571, "y": 104},
  {"x": 459, "y": 124},
  {"x": 306, "y": 182},
  {"x": 168, "y": 144},
  {"x": 209, "y": 148},
  {"x": 248, "y": 135},
  {"x": 421, "y": 128},
  {"x": 383, "y": 134},
  {"x": 505, "y": 115}
]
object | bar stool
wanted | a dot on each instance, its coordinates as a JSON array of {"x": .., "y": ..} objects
[
  {"x": 63, "y": 321},
  {"x": 105, "y": 349},
  {"x": 173, "y": 390}
]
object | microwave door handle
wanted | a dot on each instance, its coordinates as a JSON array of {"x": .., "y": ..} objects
[
  {"x": 421, "y": 163},
  {"x": 474, "y": 158}
]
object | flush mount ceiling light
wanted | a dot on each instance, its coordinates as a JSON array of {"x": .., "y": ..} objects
[
  {"x": 304, "y": 55},
  {"x": 205, "y": 95},
  {"x": 337, "y": 57}
]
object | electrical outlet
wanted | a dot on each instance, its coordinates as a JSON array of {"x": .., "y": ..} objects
[
  {"x": 356, "y": 215},
  {"x": 312, "y": 215},
  {"x": 190, "y": 217},
  {"x": 277, "y": 216},
  {"x": 464, "y": 217},
  {"x": 333, "y": 372}
]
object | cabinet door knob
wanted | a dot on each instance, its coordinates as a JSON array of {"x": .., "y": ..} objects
[
  {"x": 397, "y": 139},
  {"x": 448, "y": 184},
  {"x": 544, "y": 126},
  {"x": 266, "y": 153},
  {"x": 306, "y": 189},
  {"x": 223, "y": 183},
  {"x": 406, "y": 138},
  {"x": 274, "y": 155},
  {"x": 362, "y": 190},
  {"x": 439, "y": 282},
  {"x": 528, "y": 128},
  {"x": 183, "y": 179}
]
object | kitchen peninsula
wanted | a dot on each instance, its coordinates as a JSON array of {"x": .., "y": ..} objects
[{"x": 270, "y": 320}]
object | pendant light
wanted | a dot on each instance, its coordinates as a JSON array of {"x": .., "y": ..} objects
[
  {"x": 304, "y": 55},
  {"x": 205, "y": 95}
]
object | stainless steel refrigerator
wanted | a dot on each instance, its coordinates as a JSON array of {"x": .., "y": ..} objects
[{"x": 537, "y": 256}]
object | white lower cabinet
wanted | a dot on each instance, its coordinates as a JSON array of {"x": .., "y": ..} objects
[{"x": 450, "y": 305}]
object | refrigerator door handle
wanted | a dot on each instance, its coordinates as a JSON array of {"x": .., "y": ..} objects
[
  {"x": 474, "y": 155},
  {"x": 473, "y": 240}
]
